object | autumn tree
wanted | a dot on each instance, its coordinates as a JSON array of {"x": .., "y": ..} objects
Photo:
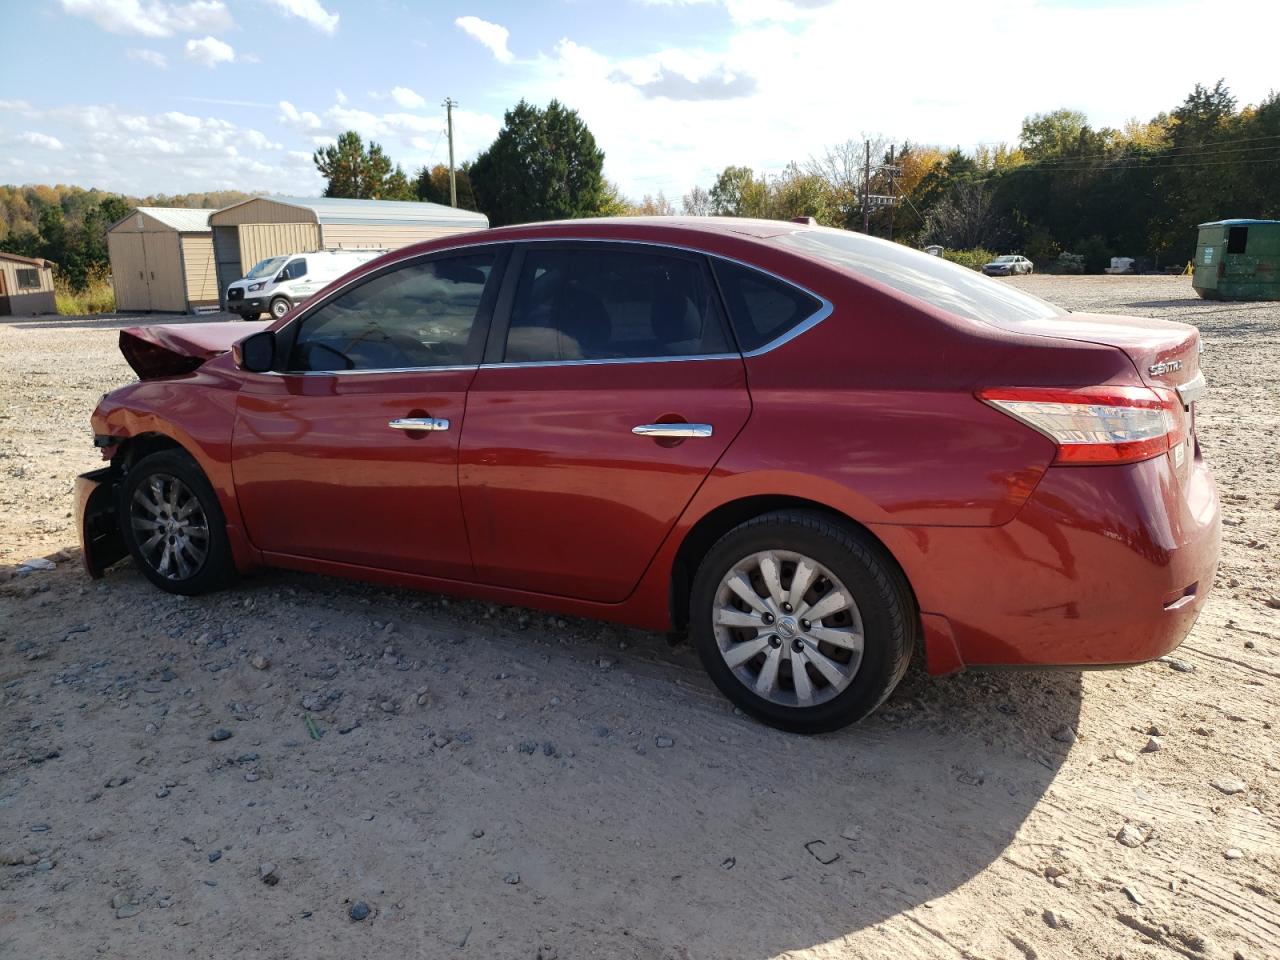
[
  {"x": 696, "y": 203},
  {"x": 651, "y": 206},
  {"x": 432, "y": 185}
]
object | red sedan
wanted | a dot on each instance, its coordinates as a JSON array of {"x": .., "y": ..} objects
[{"x": 816, "y": 451}]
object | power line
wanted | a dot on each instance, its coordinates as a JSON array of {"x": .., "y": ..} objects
[
  {"x": 1193, "y": 150},
  {"x": 1188, "y": 146},
  {"x": 1108, "y": 168}
]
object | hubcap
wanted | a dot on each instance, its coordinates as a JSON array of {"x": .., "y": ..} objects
[
  {"x": 170, "y": 527},
  {"x": 788, "y": 628}
]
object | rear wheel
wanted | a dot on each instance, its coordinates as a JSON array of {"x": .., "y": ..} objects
[
  {"x": 279, "y": 307},
  {"x": 802, "y": 621},
  {"x": 173, "y": 524}
]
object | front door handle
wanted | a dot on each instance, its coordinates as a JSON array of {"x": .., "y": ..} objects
[
  {"x": 669, "y": 430},
  {"x": 419, "y": 423}
]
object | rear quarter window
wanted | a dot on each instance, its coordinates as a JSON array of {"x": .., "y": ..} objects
[{"x": 762, "y": 308}]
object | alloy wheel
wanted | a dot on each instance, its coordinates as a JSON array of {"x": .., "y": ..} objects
[
  {"x": 170, "y": 527},
  {"x": 788, "y": 628}
]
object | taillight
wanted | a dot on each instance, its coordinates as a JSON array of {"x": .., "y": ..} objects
[{"x": 1097, "y": 424}]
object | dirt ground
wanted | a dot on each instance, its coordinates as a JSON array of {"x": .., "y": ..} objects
[{"x": 493, "y": 783}]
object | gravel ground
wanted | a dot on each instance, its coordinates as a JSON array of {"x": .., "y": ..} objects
[{"x": 303, "y": 767}]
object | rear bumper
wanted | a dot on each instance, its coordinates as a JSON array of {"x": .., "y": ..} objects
[
  {"x": 100, "y": 541},
  {"x": 1103, "y": 566}
]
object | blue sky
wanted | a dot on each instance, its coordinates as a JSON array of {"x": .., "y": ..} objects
[{"x": 147, "y": 96}]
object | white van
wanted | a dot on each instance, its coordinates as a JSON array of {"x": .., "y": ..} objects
[{"x": 278, "y": 284}]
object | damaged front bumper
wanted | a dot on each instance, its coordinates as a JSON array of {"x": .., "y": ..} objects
[{"x": 101, "y": 542}]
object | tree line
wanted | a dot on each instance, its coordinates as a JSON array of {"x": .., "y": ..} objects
[
  {"x": 1064, "y": 187},
  {"x": 68, "y": 225}
]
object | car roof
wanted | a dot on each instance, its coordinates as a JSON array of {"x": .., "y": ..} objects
[{"x": 724, "y": 235}]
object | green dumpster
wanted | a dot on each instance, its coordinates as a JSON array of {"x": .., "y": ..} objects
[{"x": 1238, "y": 260}]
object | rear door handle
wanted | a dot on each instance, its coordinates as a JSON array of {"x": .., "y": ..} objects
[
  {"x": 662, "y": 430},
  {"x": 419, "y": 423}
]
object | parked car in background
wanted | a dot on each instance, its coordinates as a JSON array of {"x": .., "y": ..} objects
[
  {"x": 278, "y": 284},
  {"x": 815, "y": 450},
  {"x": 1007, "y": 266}
]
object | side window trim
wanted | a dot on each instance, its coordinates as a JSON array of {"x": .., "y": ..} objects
[
  {"x": 495, "y": 347},
  {"x": 287, "y": 335}
]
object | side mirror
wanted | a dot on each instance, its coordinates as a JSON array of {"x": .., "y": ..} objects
[
  {"x": 256, "y": 352},
  {"x": 281, "y": 276}
]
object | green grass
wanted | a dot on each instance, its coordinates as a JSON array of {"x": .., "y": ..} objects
[{"x": 96, "y": 297}]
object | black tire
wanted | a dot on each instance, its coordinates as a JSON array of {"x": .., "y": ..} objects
[
  {"x": 890, "y": 620},
  {"x": 279, "y": 307},
  {"x": 216, "y": 569}
]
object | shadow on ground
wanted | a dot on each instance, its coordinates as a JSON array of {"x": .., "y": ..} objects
[{"x": 737, "y": 841}]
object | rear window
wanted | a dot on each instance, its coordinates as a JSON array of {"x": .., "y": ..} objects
[
  {"x": 761, "y": 308},
  {"x": 937, "y": 282}
]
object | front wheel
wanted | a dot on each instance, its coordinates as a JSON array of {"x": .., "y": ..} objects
[
  {"x": 173, "y": 524},
  {"x": 802, "y": 621},
  {"x": 279, "y": 307}
]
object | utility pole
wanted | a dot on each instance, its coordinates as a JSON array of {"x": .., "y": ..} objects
[
  {"x": 449, "y": 104},
  {"x": 892, "y": 204},
  {"x": 866, "y": 191}
]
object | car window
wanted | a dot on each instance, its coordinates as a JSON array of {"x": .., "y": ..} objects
[
  {"x": 762, "y": 308},
  {"x": 607, "y": 304},
  {"x": 933, "y": 280},
  {"x": 265, "y": 268},
  {"x": 418, "y": 315},
  {"x": 296, "y": 270}
]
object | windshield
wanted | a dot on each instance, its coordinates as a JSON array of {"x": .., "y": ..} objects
[
  {"x": 937, "y": 282},
  {"x": 1005, "y": 260},
  {"x": 267, "y": 268}
]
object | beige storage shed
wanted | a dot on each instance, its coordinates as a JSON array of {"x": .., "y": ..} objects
[
  {"x": 26, "y": 286},
  {"x": 162, "y": 259},
  {"x": 249, "y": 232}
]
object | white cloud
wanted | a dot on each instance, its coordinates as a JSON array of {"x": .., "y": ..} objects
[
  {"x": 300, "y": 119},
  {"x": 154, "y": 18},
  {"x": 779, "y": 83},
  {"x": 309, "y": 10},
  {"x": 403, "y": 96},
  {"x": 492, "y": 35},
  {"x": 210, "y": 51},
  {"x": 20, "y": 106},
  {"x": 170, "y": 152},
  {"x": 339, "y": 96},
  {"x": 153, "y": 57},
  {"x": 42, "y": 140}
]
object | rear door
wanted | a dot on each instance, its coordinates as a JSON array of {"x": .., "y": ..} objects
[
  {"x": 609, "y": 391},
  {"x": 349, "y": 453}
]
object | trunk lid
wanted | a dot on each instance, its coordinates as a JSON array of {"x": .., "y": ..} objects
[
  {"x": 170, "y": 350},
  {"x": 1166, "y": 354}
]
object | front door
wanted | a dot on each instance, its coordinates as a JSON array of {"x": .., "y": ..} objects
[
  {"x": 604, "y": 402},
  {"x": 349, "y": 452}
]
